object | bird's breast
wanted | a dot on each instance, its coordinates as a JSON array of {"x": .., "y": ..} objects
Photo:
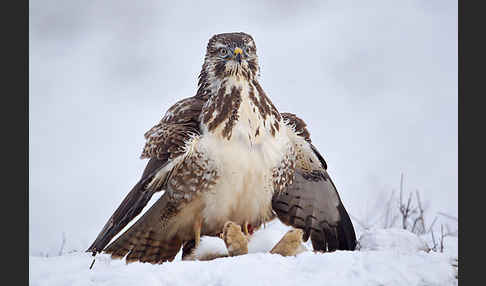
[{"x": 245, "y": 152}]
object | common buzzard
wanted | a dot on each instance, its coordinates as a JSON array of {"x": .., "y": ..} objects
[{"x": 226, "y": 154}]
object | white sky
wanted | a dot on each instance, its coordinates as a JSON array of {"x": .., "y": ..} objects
[{"x": 376, "y": 82}]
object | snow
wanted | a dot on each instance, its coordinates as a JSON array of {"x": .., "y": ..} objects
[
  {"x": 391, "y": 239},
  {"x": 386, "y": 257}
]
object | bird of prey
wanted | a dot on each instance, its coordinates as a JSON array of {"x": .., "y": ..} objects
[{"x": 226, "y": 154}]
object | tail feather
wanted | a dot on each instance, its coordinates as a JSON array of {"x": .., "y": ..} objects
[
  {"x": 148, "y": 239},
  {"x": 146, "y": 249}
]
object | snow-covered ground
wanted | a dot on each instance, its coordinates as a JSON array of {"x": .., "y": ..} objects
[{"x": 385, "y": 257}]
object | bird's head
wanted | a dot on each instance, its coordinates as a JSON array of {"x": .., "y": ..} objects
[{"x": 230, "y": 54}]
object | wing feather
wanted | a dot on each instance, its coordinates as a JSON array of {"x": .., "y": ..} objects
[
  {"x": 147, "y": 240},
  {"x": 312, "y": 202},
  {"x": 165, "y": 141},
  {"x": 129, "y": 208},
  {"x": 158, "y": 235}
]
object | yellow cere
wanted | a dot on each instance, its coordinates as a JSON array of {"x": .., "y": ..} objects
[{"x": 238, "y": 51}]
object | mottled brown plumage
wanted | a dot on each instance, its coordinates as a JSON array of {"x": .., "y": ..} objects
[
  {"x": 167, "y": 139},
  {"x": 227, "y": 106},
  {"x": 299, "y": 125},
  {"x": 311, "y": 202},
  {"x": 226, "y": 154}
]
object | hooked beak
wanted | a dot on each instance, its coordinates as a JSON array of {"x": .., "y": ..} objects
[{"x": 237, "y": 54}]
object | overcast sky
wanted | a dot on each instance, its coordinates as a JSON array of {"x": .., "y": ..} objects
[{"x": 376, "y": 82}]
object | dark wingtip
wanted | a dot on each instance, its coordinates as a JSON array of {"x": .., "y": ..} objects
[
  {"x": 129, "y": 208},
  {"x": 102, "y": 240},
  {"x": 345, "y": 229},
  {"x": 93, "y": 250},
  {"x": 339, "y": 237}
]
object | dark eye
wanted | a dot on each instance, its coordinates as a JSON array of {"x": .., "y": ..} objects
[
  {"x": 223, "y": 52},
  {"x": 247, "y": 50}
]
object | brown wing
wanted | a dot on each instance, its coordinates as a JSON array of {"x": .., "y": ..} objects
[
  {"x": 311, "y": 202},
  {"x": 165, "y": 141},
  {"x": 158, "y": 235},
  {"x": 145, "y": 241}
]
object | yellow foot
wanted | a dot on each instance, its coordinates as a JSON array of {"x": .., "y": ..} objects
[
  {"x": 290, "y": 244},
  {"x": 236, "y": 242}
]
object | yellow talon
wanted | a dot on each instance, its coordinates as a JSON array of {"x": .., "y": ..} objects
[
  {"x": 245, "y": 228},
  {"x": 197, "y": 232}
]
